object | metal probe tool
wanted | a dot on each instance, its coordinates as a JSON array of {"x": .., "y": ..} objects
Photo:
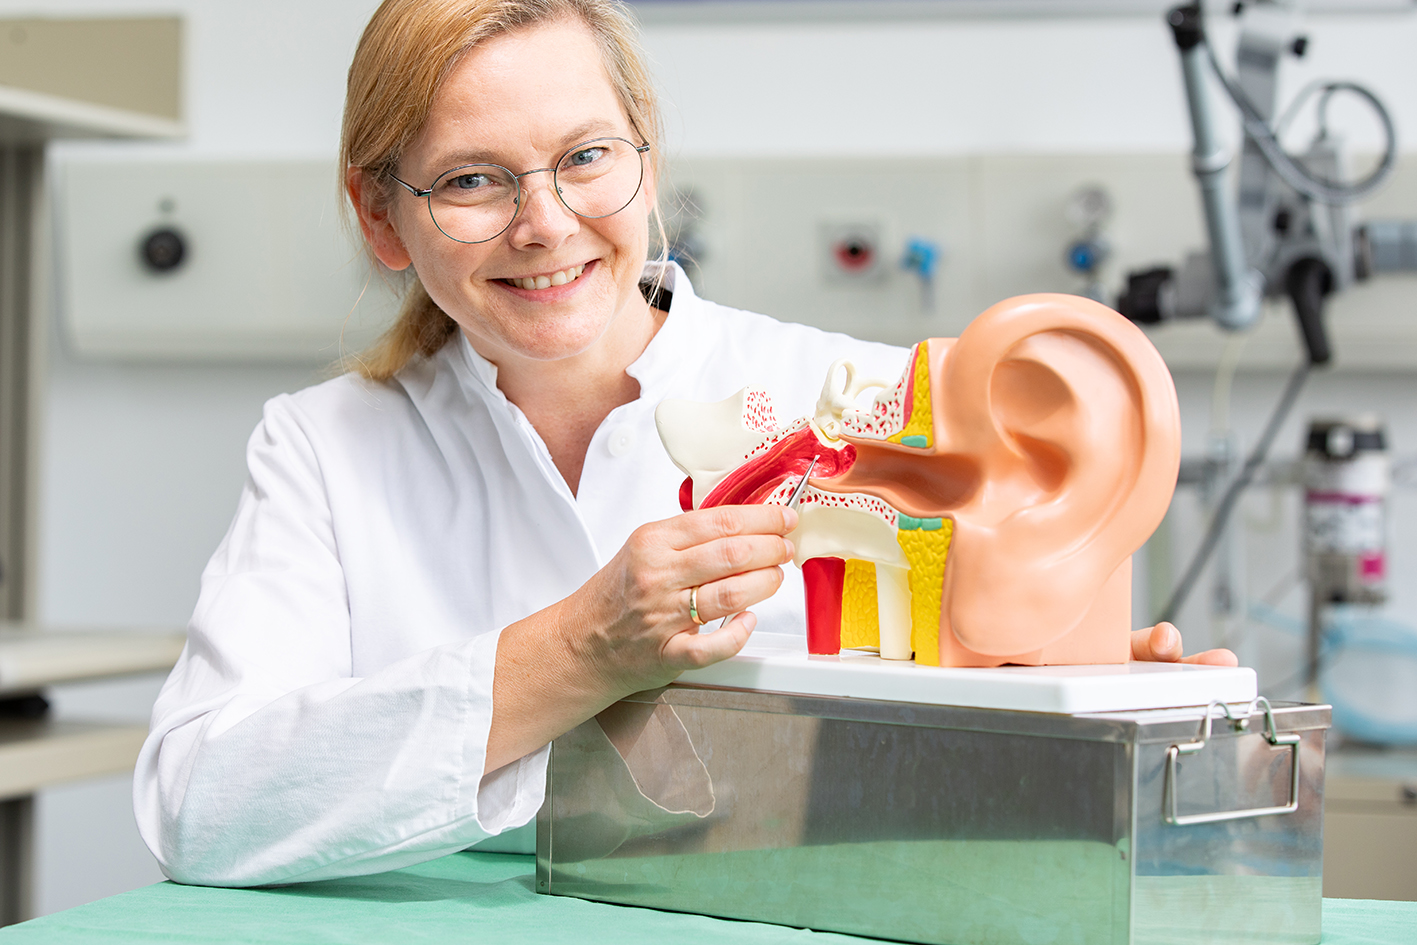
[
  {"x": 797, "y": 493},
  {"x": 791, "y": 504}
]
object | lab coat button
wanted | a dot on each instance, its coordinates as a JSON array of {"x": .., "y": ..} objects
[{"x": 622, "y": 440}]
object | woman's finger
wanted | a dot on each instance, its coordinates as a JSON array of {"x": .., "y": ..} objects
[
  {"x": 690, "y": 650},
  {"x": 1213, "y": 658},
  {"x": 695, "y": 528},
  {"x": 725, "y": 557},
  {"x": 1162, "y": 644},
  {"x": 731, "y": 595}
]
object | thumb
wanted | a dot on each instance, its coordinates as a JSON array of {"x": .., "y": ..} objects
[{"x": 1160, "y": 644}]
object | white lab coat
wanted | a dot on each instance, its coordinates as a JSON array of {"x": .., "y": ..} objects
[{"x": 329, "y": 715}]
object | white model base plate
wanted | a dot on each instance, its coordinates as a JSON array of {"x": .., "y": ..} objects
[{"x": 776, "y": 662}]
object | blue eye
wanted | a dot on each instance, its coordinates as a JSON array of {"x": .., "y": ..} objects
[
  {"x": 474, "y": 186},
  {"x": 586, "y": 156}
]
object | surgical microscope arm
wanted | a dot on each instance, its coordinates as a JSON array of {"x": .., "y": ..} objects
[
  {"x": 1289, "y": 230},
  {"x": 1239, "y": 288}
]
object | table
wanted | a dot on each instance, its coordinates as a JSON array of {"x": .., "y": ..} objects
[{"x": 481, "y": 897}]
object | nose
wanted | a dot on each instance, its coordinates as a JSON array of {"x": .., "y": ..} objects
[{"x": 542, "y": 219}]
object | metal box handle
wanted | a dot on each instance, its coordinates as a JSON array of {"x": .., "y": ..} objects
[{"x": 1237, "y": 722}]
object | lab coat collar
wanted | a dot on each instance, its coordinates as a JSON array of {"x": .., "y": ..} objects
[
  {"x": 483, "y": 371},
  {"x": 668, "y": 350}
]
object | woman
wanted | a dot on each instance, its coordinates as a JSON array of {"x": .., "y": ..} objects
[{"x": 442, "y": 562}]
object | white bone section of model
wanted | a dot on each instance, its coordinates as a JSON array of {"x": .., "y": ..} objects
[
  {"x": 827, "y": 531},
  {"x": 887, "y": 414},
  {"x": 838, "y": 397},
  {"x": 859, "y": 501},
  {"x": 707, "y": 441},
  {"x": 893, "y": 611}
]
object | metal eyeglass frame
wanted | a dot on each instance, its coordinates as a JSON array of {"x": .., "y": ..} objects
[{"x": 427, "y": 195}]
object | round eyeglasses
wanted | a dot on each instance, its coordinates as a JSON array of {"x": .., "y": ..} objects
[{"x": 475, "y": 203}]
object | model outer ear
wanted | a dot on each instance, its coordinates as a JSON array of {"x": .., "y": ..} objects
[
  {"x": 1072, "y": 416},
  {"x": 1056, "y": 447}
]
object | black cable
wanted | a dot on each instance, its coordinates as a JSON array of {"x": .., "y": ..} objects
[{"x": 1232, "y": 494}]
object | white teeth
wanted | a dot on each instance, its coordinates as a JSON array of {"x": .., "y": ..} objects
[{"x": 545, "y": 282}]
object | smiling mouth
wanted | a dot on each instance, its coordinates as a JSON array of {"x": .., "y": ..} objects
[{"x": 546, "y": 282}]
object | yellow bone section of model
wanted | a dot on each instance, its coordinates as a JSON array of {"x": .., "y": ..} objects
[
  {"x": 920, "y": 429},
  {"x": 860, "y": 619},
  {"x": 926, "y": 543}
]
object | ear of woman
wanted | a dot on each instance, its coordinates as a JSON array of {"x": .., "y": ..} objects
[{"x": 379, "y": 233}]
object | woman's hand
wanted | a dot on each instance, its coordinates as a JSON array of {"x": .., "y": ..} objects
[
  {"x": 628, "y": 628},
  {"x": 1162, "y": 644},
  {"x": 632, "y": 623}
]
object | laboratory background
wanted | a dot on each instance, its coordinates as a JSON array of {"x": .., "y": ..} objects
[{"x": 887, "y": 169}]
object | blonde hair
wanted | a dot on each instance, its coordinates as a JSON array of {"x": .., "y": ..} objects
[{"x": 406, "y": 52}]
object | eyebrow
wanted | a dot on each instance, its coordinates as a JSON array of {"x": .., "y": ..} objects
[{"x": 586, "y": 131}]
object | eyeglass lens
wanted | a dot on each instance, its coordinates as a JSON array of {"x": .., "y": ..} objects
[{"x": 475, "y": 203}]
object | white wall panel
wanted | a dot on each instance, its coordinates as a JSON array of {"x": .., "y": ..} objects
[
  {"x": 268, "y": 269},
  {"x": 1001, "y": 219}
]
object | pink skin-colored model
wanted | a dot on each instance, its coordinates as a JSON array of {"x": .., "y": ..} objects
[{"x": 985, "y": 507}]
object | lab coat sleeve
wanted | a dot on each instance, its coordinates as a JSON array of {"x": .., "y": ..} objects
[{"x": 267, "y": 762}]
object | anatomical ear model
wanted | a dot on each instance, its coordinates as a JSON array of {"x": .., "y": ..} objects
[{"x": 984, "y": 509}]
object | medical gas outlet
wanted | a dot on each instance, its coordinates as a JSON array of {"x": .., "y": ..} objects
[
  {"x": 1089, "y": 210},
  {"x": 850, "y": 252},
  {"x": 162, "y": 250},
  {"x": 855, "y": 253}
]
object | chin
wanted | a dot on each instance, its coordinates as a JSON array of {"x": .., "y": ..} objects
[{"x": 558, "y": 341}]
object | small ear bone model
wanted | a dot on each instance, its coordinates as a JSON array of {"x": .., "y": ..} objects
[{"x": 984, "y": 509}]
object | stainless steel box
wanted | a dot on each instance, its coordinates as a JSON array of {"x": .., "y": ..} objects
[{"x": 942, "y": 824}]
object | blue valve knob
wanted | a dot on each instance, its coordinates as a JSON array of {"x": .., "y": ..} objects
[
  {"x": 1086, "y": 255},
  {"x": 922, "y": 257}
]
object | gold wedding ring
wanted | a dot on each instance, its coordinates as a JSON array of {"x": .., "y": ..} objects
[{"x": 694, "y": 605}]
